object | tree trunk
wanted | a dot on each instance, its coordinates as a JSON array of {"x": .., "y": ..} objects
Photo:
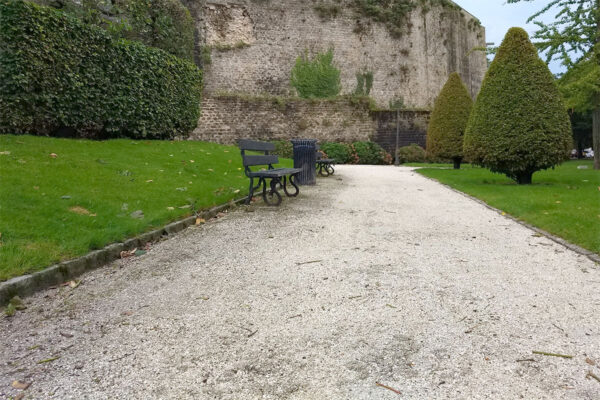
[
  {"x": 596, "y": 137},
  {"x": 524, "y": 178},
  {"x": 457, "y": 161}
]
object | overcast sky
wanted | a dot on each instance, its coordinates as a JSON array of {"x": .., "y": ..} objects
[{"x": 497, "y": 16}]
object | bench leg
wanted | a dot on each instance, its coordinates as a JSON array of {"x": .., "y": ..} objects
[
  {"x": 323, "y": 171},
  {"x": 293, "y": 183},
  {"x": 330, "y": 169},
  {"x": 272, "y": 196},
  {"x": 250, "y": 191}
]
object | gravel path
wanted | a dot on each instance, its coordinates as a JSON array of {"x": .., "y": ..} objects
[{"x": 375, "y": 275}]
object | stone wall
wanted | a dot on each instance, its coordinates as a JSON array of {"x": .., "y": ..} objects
[
  {"x": 227, "y": 118},
  {"x": 254, "y": 45}
]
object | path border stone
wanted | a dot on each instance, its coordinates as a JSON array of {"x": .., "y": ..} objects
[
  {"x": 57, "y": 274},
  {"x": 577, "y": 249}
]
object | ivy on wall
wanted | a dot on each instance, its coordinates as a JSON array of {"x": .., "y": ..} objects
[
  {"x": 59, "y": 74},
  {"x": 316, "y": 77},
  {"x": 166, "y": 24}
]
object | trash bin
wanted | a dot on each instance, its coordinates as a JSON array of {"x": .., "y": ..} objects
[{"x": 305, "y": 157}]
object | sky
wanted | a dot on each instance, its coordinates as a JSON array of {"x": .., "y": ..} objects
[{"x": 497, "y": 17}]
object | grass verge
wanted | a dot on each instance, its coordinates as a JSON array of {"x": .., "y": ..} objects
[
  {"x": 60, "y": 198},
  {"x": 564, "y": 201}
]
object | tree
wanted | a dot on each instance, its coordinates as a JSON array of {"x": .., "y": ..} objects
[
  {"x": 448, "y": 121},
  {"x": 519, "y": 123},
  {"x": 574, "y": 39},
  {"x": 316, "y": 78}
]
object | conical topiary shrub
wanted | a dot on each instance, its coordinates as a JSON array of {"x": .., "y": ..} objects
[
  {"x": 519, "y": 124},
  {"x": 448, "y": 121}
]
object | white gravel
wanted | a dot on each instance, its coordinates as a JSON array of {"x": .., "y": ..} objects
[{"x": 375, "y": 275}]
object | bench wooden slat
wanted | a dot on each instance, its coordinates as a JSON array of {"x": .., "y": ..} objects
[
  {"x": 252, "y": 145},
  {"x": 259, "y": 160}
]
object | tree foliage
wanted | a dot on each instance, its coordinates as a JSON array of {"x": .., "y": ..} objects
[
  {"x": 574, "y": 39},
  {"x": 448, "y": 120},
  {"x": 316, "y": 78},
  {"x": 519, "y": 123}
]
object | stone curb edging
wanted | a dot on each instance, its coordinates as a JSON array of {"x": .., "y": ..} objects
[
  {"x": 62, "y": 272},
  {"x": 579, "y": 250}
]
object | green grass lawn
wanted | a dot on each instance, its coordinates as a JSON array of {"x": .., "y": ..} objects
[
  {"x": 54, "y": 209},
  {"x": 564, "y": 201}
]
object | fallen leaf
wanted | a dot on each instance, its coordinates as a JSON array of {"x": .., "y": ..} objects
[
  {"x": 127, "y": 313},
  {"x": 53, "y": 155},
  {"x": 186, "y": 206},
  {"x": 149, "y": 180},
  {"x": 10, "y": 310},
  {"x": 5, "y": 153},
  {"x": 21, "y": 385},
  {"x": 236, "y": 191},
  {"x": 503, "y": 213},
  {"x": 192, "y": 161},
  {"x": 229, "y": 161},
  {"x": 36, "y": 187},
  {"x": 225, "y": 151},
  {"x": 200, "y": 221},
  {"x": 170, "y": 208},
  {"x": 211, "y": 170},
  {"x": 137, "y": 214},
  {"x": 126, "y": 253},
  {"x": 21, "y": 161},
  {"x": 65, "y": 197},
  {"x": 79, "y": 210},
  {"x": 140, "y": 253},
  {"x": 20, "y": 396},
  {"x": 589, "y": 361},
  {"x": 181, "y": 189},
  {"x": 66, "y": 334},
  {"x": 558, "y": 202}
]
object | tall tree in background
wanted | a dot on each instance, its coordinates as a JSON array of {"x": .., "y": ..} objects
[{"x": 574, "y": 39}]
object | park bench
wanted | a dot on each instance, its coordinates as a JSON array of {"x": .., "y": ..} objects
[
  {"x": 278, "y": 177},
  {"x": 324, "y": 165}
]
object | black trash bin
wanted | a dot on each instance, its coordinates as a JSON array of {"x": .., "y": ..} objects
[{"x": 305, "y": 157}]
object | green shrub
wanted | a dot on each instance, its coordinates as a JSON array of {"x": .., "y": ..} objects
[
  {"x": 341, "y": 152},
  {"x": 316, "y": 78},
  {"x": 57, "y": 72},
  {"x": 284, "y": 148},
  {"x": 166, "y": 24},
  {"x": 519, "y": 124},
  {"x": 448, "y": 121},
  {"x": 412, "y": 153},
  {"x": 371, "y": 153}
]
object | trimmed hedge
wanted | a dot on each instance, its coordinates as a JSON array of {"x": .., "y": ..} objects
[
  {"x": 448, "y": 121},
  {"x": 58, "y": 74},
  {"x": 357, "y": 153},
  {"x": 519, "y": 123},
  {"x": 412, "y": 153}
]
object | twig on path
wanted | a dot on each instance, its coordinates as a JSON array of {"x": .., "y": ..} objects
[
  {"x": 592, "y": 375},
  {"x": 295, "y": 316},
  {"x": 120, "y": 358},
  {"x": 471, "y": 329},
  {"x": 543, "y": 353},
  {"x": 559, "y": 328},
  {"x": 47, "y": 360},
  {"x": 388, "y": 388},
  {"x": 252, "y": 333},
  {"x": 354, "y": 297},
  {"x": 308, "y": 262},
  {"x": 526, "y": 360}
]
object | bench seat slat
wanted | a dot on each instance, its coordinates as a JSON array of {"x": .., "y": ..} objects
[
  {"x": 250, "y": 160},
  {"x": 252, "y": 145},
  {"x": 278, "y": 172}
]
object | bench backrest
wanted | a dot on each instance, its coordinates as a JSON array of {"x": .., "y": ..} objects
[{"x": 250, "y": 160}]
